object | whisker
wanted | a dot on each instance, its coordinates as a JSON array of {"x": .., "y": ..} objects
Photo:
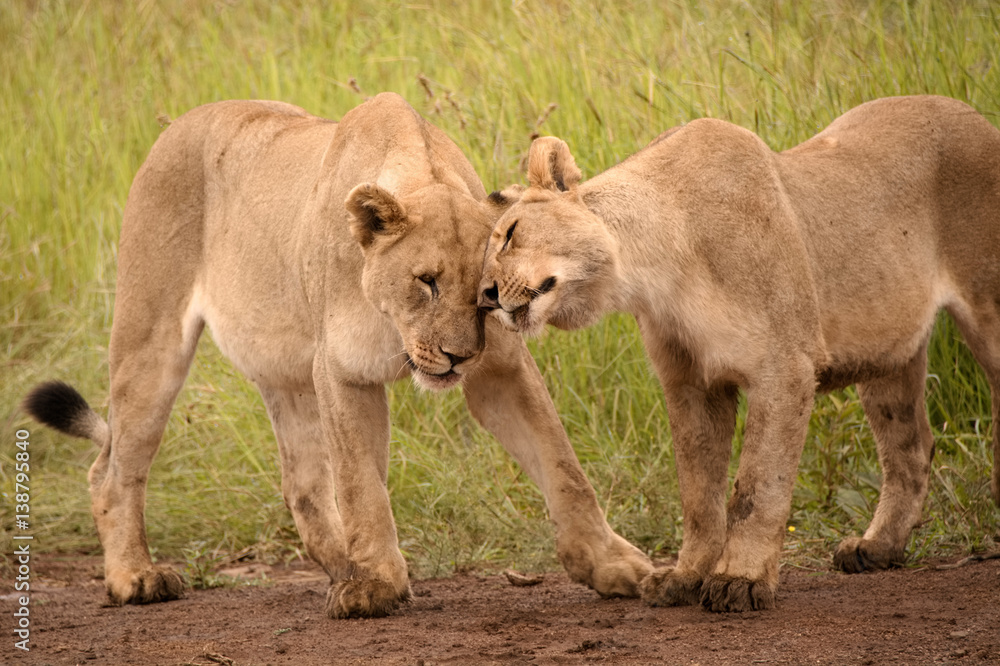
[
  {"x": 404, "y": 366},
  {"x": 402, "y": 353},
  {"x": 399, "y": 373}
]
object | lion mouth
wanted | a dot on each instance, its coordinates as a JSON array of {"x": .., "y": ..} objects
[
  {"x": 430, "y": 380},
  {"x": 518, "y": 320},
  {"x": 519, "y": 317}
]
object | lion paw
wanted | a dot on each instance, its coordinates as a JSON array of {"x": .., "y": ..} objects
[
  {"x": 670, "y": 587},
  {"x": 855, "y": 555},
  {"x": 363, "y": 598},
  {"x": 730, "y": 594},
  {"x": 149, "y": 586},
  {"x": 615, "y": 571}
]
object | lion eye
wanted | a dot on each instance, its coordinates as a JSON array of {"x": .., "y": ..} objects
[
  {"x": 430, "y": 282},
  {"x": 510, "y": 233}
]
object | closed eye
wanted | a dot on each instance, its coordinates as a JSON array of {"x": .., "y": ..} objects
[
  {"x": 510, "y": 233},
  {"x": 430, "y": 282}
]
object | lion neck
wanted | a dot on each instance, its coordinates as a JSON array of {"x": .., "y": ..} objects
[{"x": 643, "y": 246}]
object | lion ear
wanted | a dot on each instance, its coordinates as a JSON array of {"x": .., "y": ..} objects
[
  {"x": 374, "y": 212},
  {"x": 551, "y": 166},
  {"x": 501, "y": 200}
]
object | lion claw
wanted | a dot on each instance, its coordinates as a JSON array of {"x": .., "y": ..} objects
[
  {"x": 670, "y": 587},
  {"x": 363, "y": 598},
  {"x": 856, "y": 555},
  {"x": 149, "y": 586},
  {"x": 615, "y": 569},
  {"x": 730, "y": 594}
]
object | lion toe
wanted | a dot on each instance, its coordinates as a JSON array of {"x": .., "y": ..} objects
[
  {"x": 149, "y": 586},
  {"x": 623, "y": 573},
  {"x": 363, "y": 598},
  {"x": 612, "y": 567},
  {"x": 856, "y": 555},
  {"x": 731, "y": 594},
  {"x": 670, "y": 587}
]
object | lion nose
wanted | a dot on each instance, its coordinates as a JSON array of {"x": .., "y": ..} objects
[
  {"x": 489, "y": 298},
  {"x": 455, "y": 358}
]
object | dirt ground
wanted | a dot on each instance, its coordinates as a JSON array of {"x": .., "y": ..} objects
[{"x": 911, "y": 616}]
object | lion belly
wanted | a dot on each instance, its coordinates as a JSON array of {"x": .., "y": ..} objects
[
  {"x": 878, "y": 295},
  {"x": 872, "y": 339},
  {"x": 265, "y": 348}
]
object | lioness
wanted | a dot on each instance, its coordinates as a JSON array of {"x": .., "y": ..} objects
[
  {"x": 237, "y": 219},
  {"x": 781, "y": 274}
]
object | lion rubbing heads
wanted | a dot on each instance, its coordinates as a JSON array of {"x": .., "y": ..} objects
[
  {"x": 549, "y": 259},
  {"x": 421, "y": 269}
]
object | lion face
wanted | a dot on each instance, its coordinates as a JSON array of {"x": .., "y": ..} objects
[
  {"x": 549, "y": 259},
  {"x": 422, "y": 265}
]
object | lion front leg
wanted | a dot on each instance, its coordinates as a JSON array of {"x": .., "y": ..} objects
[
  {"x": 373, "y": 581},
  {"x": 509, "y": 398},
  {"x": 746, "y": 576},
  {"x": 307, "y": 477},
  {"x": 702, "y": 423}
]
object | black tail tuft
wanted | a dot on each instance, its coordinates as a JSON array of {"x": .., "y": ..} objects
[{"x": 59, "y": 405}]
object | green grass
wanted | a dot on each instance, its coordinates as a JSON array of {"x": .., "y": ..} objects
[{"x": 82, "y": 86}]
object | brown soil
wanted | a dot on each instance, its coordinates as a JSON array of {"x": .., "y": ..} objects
[{"x": 909, "y": 616}]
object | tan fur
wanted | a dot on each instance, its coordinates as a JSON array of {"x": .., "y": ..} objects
[
  {"x": 237, "y": 220},
  {"x": 779, "y": 274}
]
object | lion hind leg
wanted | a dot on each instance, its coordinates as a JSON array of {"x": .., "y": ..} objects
[
  {"x": 981, "y": 330},
  {"x": 895, "y": 409},
  {"x": 149, "y": 363},
  {"x": 158, "y": 319}
]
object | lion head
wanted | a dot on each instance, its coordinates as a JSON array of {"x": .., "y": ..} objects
[
  {"x": 549, "y": 260},
  {"x": 422, "y": 262}
]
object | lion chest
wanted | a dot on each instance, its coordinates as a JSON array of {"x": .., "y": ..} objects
[{"x": 364, "y": 347}]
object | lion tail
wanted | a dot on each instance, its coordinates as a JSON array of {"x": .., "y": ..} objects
[{"x": 59, "y": 405}]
